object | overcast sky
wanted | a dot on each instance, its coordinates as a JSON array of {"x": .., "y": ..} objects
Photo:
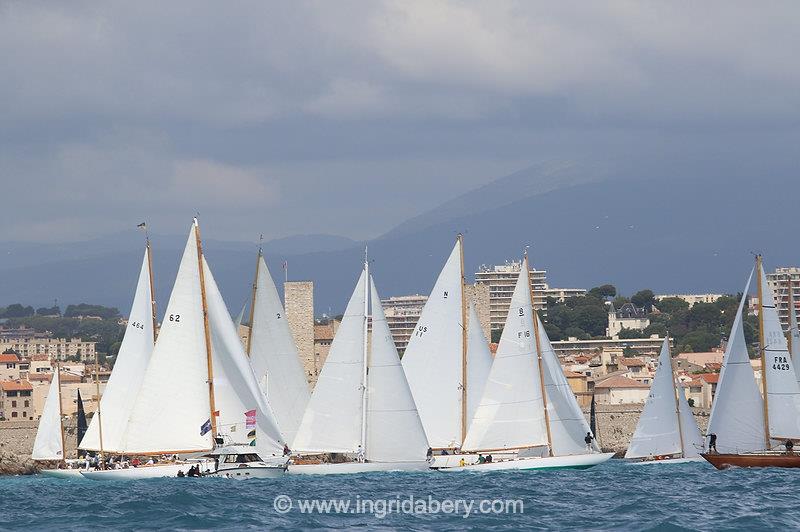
[{"x": 349, "y": 117}]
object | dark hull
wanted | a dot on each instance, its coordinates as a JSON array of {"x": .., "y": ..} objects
[{"x": 724, "y": 461}]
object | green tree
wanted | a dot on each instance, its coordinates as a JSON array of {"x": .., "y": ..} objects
[
  {"x": 16, "y": 310},
  {"x": 553, "y": 332},
  {"x": 576, "y": 332},
  {"x": 496, "y": 334},
  {"x": 604, "y": 291},
  {"x": 698, "y": 341},
  {"x": 85, "y": 309},
  {"x": 626, "y": 334},
  {"x": 592, "y": 319},
  {"x": 644, "y": 299},
  {"x": 671, "y": 304}
]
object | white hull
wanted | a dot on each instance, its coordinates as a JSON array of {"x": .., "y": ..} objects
[
  {"x": 61, "y": 473},
  {"x": 350, "y": 468},
  {"x": 145, "y": 471},
  {"x": 667, "y": 461},
  {"x": 244, "y": 473},
  {"x": 580, "y": 461}
]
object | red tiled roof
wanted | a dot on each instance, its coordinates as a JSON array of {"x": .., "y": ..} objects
[
  {"x": 619, "y": 381},
  {"x": 12, "y": 386},
  {"x": 711, "y": 378},
  {"x": 630, "y": 362},
  {"x": 36, "y": 377},
  {"x": 9, "y": 357},
  {"x": 568, "y": 373}
]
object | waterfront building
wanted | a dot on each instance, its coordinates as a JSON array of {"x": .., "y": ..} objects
[
  {"x": 780, "y": 281},
  {"x": 323, "y": 338},
  {"x": 402, "y": 314},
  {"x": 618, "y": 389},
  {"x": 501, "y": 279},
  {"x": 55, "y": 348},
  {"x": 16, "y": 402},
  {"x": 9, "y": 367},
  {"x": 299, "y": 307},
  {"x": 639, "y": 347}
]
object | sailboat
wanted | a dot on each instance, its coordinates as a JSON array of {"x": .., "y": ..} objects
[
  {"x": 667, "y": 432},
  {"x": 107, "y": 427},
  {"x": 361, "y": 407},
  {"x": 750, "y": 427},
  {"x": 273, "y": 354},
  {"x": 199, "y": 396},
  {"x": 527, "y": 416},
  {"x": 447, "y": 360},
  {"x": 49, "y": 444}
]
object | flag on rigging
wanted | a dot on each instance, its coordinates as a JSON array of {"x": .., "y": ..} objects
[
  {"x": 205, "y": 428},
  {"x": 250, "y": 416}
]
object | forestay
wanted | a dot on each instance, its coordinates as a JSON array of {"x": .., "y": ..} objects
[
  {"x": 333, "y": 418},
  {"x": 433, "y": 358},
  {"x": 274, "y": 357},
  {"x": 782, "y": 388},
  {"x": 49, "y": 444},
  {"x": 568, "y": 425},
  {"x": 737, "y": 413},
  {"x": 394, "y": 430},
  {"x": 129, "y": 370},
  {"x": 511, "y": 412},
  {"x": 173, "y": 401}
]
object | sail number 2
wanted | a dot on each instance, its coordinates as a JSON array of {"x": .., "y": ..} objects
[{"x": 780, "y": 363}]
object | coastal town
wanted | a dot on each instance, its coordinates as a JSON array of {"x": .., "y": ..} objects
[{"x": 615, "y": 370}]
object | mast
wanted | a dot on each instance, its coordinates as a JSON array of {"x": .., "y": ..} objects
[
  {"x": 791, "y": 313},
  {"x": 763, "y": 349},
  {"x": 675, "y": 392},
  {"x": 61, "y": 414},
  {"x": 99, "y": 416},
  {"x": 207, "y": 330},
  {"x": 365, "y": 365},
  {"x": 253, "y": 301},
  {"x": 539, "y": 356},
  {"x": 463, "y": 342},
  {"x": 152, "y": 288}
]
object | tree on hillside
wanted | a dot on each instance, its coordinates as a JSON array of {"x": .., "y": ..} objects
[
  {"x": 626, "y": 334},
  {"x": 671, "y": 304},
  {"x": 98, "y": 311},
  {"x": 644, "y": 299},
  {"x": 16, "y": 310},
  {"x": 48, "y": 311},
  {"x": 604, "y": 291}
]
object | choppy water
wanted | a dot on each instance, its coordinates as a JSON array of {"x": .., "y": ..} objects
[{"x": 611, "y": 496}]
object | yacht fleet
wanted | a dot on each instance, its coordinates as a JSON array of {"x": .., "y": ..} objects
[{"x": 194, "y": 398}]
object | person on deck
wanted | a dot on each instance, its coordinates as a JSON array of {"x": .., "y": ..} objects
[
  {"x": 360, "y": 454},
  {"x": 481, "y": 459},
  {"x": 789, "y": 447},
  {"x": 429, "y": 454},
  {"x": 588, "y": 440},
  {"x": 286, "y": 450},
  {"x": 712, "y": 443}
]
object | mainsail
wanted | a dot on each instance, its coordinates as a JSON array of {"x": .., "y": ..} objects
[
  {"x": 49, "y": 442},
  {"x": 433, "y": 358},
  {"x": 274, "y": 357},
  {"x": 737, "y": 413},
  {"x": 129, "y": 370},
  {"x": 394, "y": 430},
  {"x": 783, "y": 392},
  {"x": 81, "y": 428},
  {"x": 511, "y": 411},
  {"x": 794, "y": 332},
  {"x": 663, "y": 429},
  {"x": 333, "y": 419}
]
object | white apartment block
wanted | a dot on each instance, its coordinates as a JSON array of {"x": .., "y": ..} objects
[
  {"x": 55, "y": 348},
  {"x": 692, "y": 299},
  {"x": 501, "y": 279},
  {"x": 779, "y": 281}
]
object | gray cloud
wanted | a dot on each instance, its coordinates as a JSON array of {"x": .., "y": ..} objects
[{"x": 350, "y": 117}]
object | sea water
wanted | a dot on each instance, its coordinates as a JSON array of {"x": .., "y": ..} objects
[{"x": 613, "y": 496}]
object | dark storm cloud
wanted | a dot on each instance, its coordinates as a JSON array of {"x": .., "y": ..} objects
[{"x": 349, "y": 117}]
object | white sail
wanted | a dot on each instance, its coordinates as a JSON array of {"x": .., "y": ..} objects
[
  {"x": 129, "y": 370},
  {"x": 737, "y": 413},
  {"x": 657, "y": 432},
  {"x": 173, "y": 404},
  {"x": 794, "y": 332},
  {"x": 479, "y": 362},
  {"x": 511, "y": 412},
  {"x": 692, "y": 438},
  {"x": 274, "y": 357},
  {"x": 394, "y": 430},
  {"x": 236, "y": 390},
  {"x": 333, "y": 418},
  {"x": 782, "y": 388},
  {"x": 49, "y": 444},
  {"x": 568, "y": 425},
  {"x": 433, "y": 358},
  {"x": 240, "y": 317}
]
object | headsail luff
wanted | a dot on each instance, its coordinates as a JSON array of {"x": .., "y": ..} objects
[
  {"x": 274, "y": 357},
  {"x": 433, "y": 358},
  {"x": 737, "y": 416},
  {"x": 130, "y": 366},
  {"x": 783, "y": 392},
  {"x": 332, "y": 420},
  {"x": 511, "y": 411}
]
